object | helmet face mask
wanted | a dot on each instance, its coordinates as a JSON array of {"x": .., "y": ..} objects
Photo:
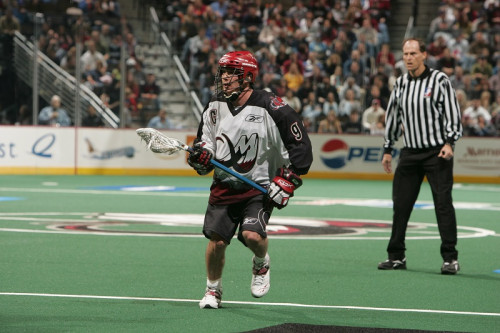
[{"x": 237, "y": 66}]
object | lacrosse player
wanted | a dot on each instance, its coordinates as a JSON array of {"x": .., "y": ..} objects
[{"x": 262, "y": 138}]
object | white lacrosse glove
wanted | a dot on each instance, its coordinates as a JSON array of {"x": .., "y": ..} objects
[
  {"x": 200, "y": 158},
  {"x": 282, "y": 187}
]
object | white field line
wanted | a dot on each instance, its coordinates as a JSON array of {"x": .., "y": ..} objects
[{"x": 298, "y": 305}]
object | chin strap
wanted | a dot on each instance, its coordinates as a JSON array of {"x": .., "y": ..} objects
[{"x": 236, "y": 94}]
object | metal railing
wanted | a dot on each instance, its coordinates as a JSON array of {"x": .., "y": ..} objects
[
  {"x": 53, "y": 80},
  {"x": 192, "y": 100}
]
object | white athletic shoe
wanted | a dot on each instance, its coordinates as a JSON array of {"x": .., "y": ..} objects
[
  {"x": 261, "y": 279},
  {"x": 212, "y": 299}
]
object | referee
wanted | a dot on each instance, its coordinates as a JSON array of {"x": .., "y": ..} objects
[{"x": 423, "y": 109}]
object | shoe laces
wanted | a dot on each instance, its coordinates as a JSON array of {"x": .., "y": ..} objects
[
  {"x": 213, "y": 292},
  {"x": 259, "y": 274}
]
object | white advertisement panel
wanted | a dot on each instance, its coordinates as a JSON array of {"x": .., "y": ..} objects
[
  {"x": 120, "y": 151},
  {"x": 474, "y": 157},
  {"x": 37, "y": 147},
  {"x": 109, "y": 148}
]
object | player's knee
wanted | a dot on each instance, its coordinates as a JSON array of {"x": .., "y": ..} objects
[
  {"x": 252, "y": 237},
  {"x": 218, "y": 242}
]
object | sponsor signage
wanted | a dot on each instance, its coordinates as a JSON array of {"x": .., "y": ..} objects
[{"x": 39, "y": 149}]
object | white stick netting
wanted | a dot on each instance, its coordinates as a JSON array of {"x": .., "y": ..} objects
[{"x": 158, "y": 142}]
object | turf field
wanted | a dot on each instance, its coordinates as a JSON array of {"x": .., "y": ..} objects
[{"x": 116, "y": 253}]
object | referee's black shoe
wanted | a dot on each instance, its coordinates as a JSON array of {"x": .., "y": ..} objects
[
  {"x": 392, "y": 264},
  {"x": 450, "y": 267}
]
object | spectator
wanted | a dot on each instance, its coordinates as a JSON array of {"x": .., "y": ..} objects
[
  {"x": 479, "y": 42},
  {"x": 114, "y": 50},
  {"x": 475, "y": 110},
  {"x": 219, "y": 7},
  {"x": 325, "y": 87},
  {"x": 353, "y": 125},
  {"x": 371, "y": 116},
  {"x": 251, "y": 25},
  {"x": 292, "y": 100},
  {"x": 369, "y": 32},
  {"x": 269, "y": 32},
  {"x": 482, "y": 68},
  {"x": 294, "y": 78},
  {"x": 485, "y": 99},
  {"x": 95, "y": 36},
  {"x": 457, "y": 78},
  {"x": 495, "y": 114},
  {"x": 16, "y": 114},
  {"x": 330, "y": 124},
  {"x": 379, "y": 127},
  {"x": 447, "y": 63},
  {"x": 435, "y": 51},
  {"x": 347, "y": 105},
  {"x": 207, "y": 83},
  {"x": 494, "y": 80},
  {"x": 385, "y": 51},
  {"x": 312, "y": 110},
  {"x": 293, "y": 59},
  {"x": 92, "y": 119},
  {"x": 459, "y": 47},
  {"x": 200, "y": 62},
  {"x": 483, "y": 127},
  {"x": 149, "y": 92},
  {"x": 350, "y": 84},
  {"x": 469, "y": 126},
  {"x": 462, "y": 100},
  {"x": 97, "y": 78},
  {"x": 440, "y": 24},
  {"x": 160, "y": 121},
  {"x": 68, "y": 62},
  {"x": 91, "y": 57},
  {"x": 54, "y": 114},
  {"x": 9, "y": 23},
  {"x": 330, "y": 104}
]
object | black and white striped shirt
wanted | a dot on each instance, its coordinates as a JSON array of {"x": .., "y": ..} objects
[{"x": 424, "y": 110}]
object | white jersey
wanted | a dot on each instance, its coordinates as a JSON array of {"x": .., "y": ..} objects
[{"x": 254, "y": 140}]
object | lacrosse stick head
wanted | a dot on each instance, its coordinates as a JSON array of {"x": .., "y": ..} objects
[{"x": 158, "y": 142}]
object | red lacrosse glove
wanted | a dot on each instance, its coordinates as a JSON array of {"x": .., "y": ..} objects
[
  {"x": 282, "y": 187},
  {"x": 200, "y": 158}
]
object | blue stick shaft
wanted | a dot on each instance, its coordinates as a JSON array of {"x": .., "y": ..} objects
[
  {"x": 240, "y": 177},
  {"x": 231, "y": 172}
]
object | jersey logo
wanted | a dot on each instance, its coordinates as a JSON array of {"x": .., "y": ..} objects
[
  {"x": 428, "y": 92},
  {"x": 277, "y": 103},
  {"x": 213, "y": 116},
  {"x": 252, "y": 118},
  {"x": 242, "y": 154}
]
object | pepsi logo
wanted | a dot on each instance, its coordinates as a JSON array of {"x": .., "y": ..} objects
[{"x": 334, "y": 153}]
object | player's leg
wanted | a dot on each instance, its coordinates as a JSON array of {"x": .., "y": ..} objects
[
  {"x": 219, "y": 228},
  {"x": 440, "y": 176},
  {"x": 214, "y": 259},
  {"x": 408, "y": 178},
  {"x": 254, "y": 235}
]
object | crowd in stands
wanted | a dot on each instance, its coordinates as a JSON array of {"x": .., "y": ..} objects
[
  {"x": 330, "y": 59},
  {"x": 103, "y": 30}
]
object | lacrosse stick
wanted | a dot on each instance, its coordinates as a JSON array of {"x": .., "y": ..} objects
[{"x": 157, "y": 142}]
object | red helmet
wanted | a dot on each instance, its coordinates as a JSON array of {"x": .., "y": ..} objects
[
  {"x": 241, "y": 64},
  {"x": 242, "y": 61}
]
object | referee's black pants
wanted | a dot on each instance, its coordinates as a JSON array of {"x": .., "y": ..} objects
[{"x": 413, "y": 165}]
